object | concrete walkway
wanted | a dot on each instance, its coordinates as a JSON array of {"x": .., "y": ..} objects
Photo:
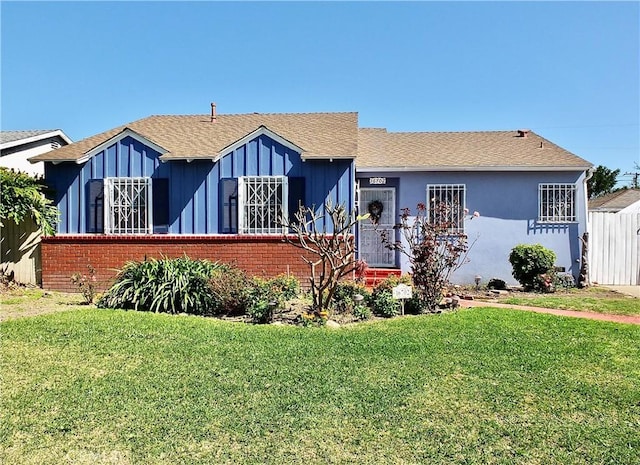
[
  {"x": 633, "y": 320},
  {"x": 633, "y": 291}
]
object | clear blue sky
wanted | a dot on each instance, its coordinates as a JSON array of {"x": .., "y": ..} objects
[{"x": 568, "y": 71}]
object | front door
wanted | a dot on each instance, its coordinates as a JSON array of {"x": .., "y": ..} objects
[{"x": 380, "y": 200}]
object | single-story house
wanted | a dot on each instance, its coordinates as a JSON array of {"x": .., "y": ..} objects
[
  {"x": 16, "y": 147},
  {"x": 211, "y": 186},
  {"x": 620, "y": 201}
]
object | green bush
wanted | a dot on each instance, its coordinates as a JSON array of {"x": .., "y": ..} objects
[
  {"x": 533, "y": 266},
  {"x": 383, "y": 304},
  {"x": 288, "y": 286},
  {"x": 344, "y": 297},
  {"x": 361, "y": 312},
  {"x": 178, "y": 285},
  {"x": 267, "y": 295},
  {"x": 230, "y": 289},
  {"x": 415, "y": 305}
]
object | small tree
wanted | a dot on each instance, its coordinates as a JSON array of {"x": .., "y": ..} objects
[
  {"x": 22, "y": 197},
  {"x": 432, "y": 246},
  {"x": 334, "y": 252}
]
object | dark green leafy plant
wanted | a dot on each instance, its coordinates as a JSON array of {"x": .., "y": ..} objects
[
  {"x": 345, "y": 296},
  {"x": 383, "y": 304},
  {"x": 178, "y": 285},
  {"x": 22, "y": 197},
  {"x": 533, "y": 267},
  {"x": 287, "y": 285}
]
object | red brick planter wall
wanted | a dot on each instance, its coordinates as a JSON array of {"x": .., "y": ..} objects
[{"x": 63, "y": 256}]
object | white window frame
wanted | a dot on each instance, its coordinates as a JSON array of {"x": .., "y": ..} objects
[
  {"x": 556, "y": 202},
  {"x": 254, "y": 215},
  {"x": 436, "y": 191},
  {"x": 131, "y": 220}
]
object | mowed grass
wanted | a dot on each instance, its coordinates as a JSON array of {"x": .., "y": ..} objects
[
  {"x": 478, "y": 386},
  {"x": 593, "y": 299}
]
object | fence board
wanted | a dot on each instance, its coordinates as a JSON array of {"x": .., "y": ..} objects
[
  {"x": 614, "y": 248},
  {"x": 20, "y": 251}
]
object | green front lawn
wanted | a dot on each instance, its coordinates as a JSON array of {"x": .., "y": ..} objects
[
  {"x": 478, "y": 386},
  {"x": 593, "y": 299}
]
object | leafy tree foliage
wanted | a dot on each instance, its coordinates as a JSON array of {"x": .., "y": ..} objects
[
  {"x": 22, "y": 197},
  {"x": 602, "y": 182}
]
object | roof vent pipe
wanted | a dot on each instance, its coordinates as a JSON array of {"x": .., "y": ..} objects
[
  {"x": 213, "y": 112},
  {"x": 523, "y": 132}
]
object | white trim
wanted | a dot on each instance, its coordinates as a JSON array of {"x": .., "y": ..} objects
[
  {"x": 109, "y": 189},
  {"x": 449, "y": 188},
  {"x": 367, "y": 226},
  {"x": 126, "y": 132},
  {"x": 260, "y": 131},
  {"x": 28, "y": 140},
  {"x": 557, "y": 188},
  {"x": 242, "y": 199},
  {"x": 382, "y": 169}
]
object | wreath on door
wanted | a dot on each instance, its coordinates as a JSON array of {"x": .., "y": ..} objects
[{"x": 375, "y": 209}]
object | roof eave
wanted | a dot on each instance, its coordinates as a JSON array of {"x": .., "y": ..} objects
[
  {"x": 28, "y": 140},
  {"x": 470, "y": 168}
]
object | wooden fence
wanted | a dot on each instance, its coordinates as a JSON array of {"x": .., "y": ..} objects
[
  {"x": 614, "y": 248},
  {"x": 20, "y": 252}
]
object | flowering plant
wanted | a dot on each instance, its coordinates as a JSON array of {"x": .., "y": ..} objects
[{"x": 434, "y": 246}]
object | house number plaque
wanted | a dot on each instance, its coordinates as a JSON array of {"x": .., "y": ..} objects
[{"x": 378, "y": 181}]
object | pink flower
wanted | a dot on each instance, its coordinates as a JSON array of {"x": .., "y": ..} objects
[{"x": 476, "y": 214}]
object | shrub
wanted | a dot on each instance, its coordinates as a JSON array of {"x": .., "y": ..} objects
[
  {"x": 344, "y": 297},
  {"x": 22, "y": 197},
  {"x": 288, "y": 286},
  {"x": 361, "y": 312},
  {"x": 564, "y": 281},
  {"x": 179, "y": 285},
  {"x": 267, "y": 295},
  {"x": 495, "y": 283},
  {"x": 533, "y": 266},
  {"x": 383, "y": 304},
  {"x": 264, "y": 297},
  {"x": 230, "y": 289}
]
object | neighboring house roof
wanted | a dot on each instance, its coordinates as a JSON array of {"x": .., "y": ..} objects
[
  {"x": 495, "y": 150},
  {"x": 615, "y": 201},
  {"x": 10, "y": 139},
  {"x": 319, "y": 135},
  {"x": 334, "y": 135}
]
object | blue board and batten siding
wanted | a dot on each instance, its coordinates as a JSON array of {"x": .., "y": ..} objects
[{"x": 194, "y": 187}]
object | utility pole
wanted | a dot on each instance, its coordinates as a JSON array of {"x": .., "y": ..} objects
[{"x": 635, "y": 176}]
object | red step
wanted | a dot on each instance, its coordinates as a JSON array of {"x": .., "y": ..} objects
[{"x": 373, "y": 276}]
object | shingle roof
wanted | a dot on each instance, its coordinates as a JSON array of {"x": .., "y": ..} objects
[
  {"x": 336, "y": 135},
  {"x": 615, "y": 201},
  {"x": 378, "y": 148},
  {"x": 10, "y": 136},
  {"x": 10, "y": 139},
  {"x": 330, "y": 135}
]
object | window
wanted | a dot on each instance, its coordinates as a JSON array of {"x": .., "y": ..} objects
[
  {"x": 262, "y": 200},
  {"x": 556, "y": 203},
  {"x": 128, "y": 205},
  {"x": 446, "y": 206}
]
